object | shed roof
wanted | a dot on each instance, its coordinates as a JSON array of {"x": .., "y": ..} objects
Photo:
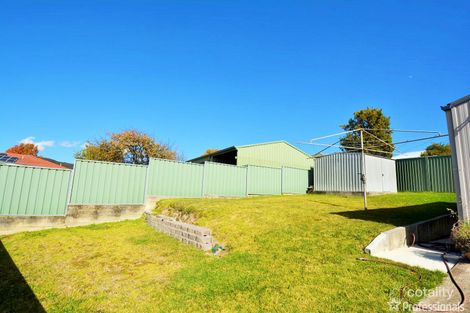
[
  {"x": 455, "y": 103},
  {"x": 232, "y": 148},
  {"x": 273, "y": 142}
]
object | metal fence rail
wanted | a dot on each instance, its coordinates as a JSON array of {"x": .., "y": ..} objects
[
  {"x": 33, "y": 191},
  {"x": 425, "y": 174}
]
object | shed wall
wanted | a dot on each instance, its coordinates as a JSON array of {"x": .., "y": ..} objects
[
  {"x": 338, "y": 173},
  {"x": 277, "y": 154},
  {"x": 341, "y": 172},
  {"x": 458, "y": 122}
]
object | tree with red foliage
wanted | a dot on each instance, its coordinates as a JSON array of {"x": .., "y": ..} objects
[{"x": 24, "y": 148}]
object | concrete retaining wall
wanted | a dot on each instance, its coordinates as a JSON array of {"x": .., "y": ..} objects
[
  {"x": 197, "y": 236},
  {"x": 399, "y": 237},
  {"x": 77, "y": 215}
]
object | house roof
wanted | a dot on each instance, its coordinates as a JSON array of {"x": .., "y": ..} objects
[
  {"x": 31, "y": 160},
  {"x": 229, "y": 149}
]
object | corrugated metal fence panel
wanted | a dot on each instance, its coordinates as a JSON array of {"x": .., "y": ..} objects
[
  {"x": 440, "y": 173},
  {"x": 224, "y": 180},
  {"x": 338, "y": 173},
  {"x": 425, "y": 174},
  {"x": 33, "y": 191},
  {"x": 295, "y": 180},
  {"x": 172, "y": 178},
  {"x": 411, "y": 174},
  {"x": 263, "y": 180},
  {"x": 96, "y": 182}
]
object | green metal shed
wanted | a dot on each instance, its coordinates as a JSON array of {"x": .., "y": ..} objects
[{"x": 272, "y": 154}]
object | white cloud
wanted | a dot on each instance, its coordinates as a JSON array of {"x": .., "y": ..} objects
[
  {"x": 69, "y": 144},
  {"x": 42, "y": 145},
  {"x": 412, "y": 154}
]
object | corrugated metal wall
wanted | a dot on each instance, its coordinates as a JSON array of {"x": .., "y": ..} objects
[
  {"x": 294, "y": 180},
  {"x": 381, "y": 174},
  {"x": 33, "y": 191},
  {"x": 458, "y": 123},
  {"x": 172, "y": 178},
  {"x": 425, "y": 174},
  {"x": 224, "y": 180},
  {"x": 338, "y": 172},
  {"x": 276, "y": 154},
  {"x": 263, "y": 180},
  {"x": 96, "y": 182},
  {"x": 341, "y": 172}
]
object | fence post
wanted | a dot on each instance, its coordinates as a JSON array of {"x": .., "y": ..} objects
[
  {"x": 70, "y": 187},
  {"x": 147, "y": 181},
  {"x": 427, "y": 174},
  {"x": 282, "y": 180},
  {"x": 203, "y": 180}
]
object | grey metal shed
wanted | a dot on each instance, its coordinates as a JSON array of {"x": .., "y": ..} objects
[
  {"x": 458, "y": 123},
  {"x": 341, "y": 172}
]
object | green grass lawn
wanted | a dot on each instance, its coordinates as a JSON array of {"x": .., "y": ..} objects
[{"x": 286, "y": 254}]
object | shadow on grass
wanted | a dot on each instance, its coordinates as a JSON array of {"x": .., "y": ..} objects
[
  {"x": 401, "y": 216},
  {"x": 15, "y": 293}
]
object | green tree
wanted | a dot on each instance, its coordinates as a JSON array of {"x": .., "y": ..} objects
[
  {"x": 377, "y": 133},
  {"x": 24, "y": 148},
  {"x": 129, "y": 146},
  {"x": 210, "y": 151},
  {"x": 437, "y": 149}
]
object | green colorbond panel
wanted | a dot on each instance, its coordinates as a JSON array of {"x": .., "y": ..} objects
[
  {"x": 263, "y": 180},
  {"x": 425, "y": 174},
  {"x": 96, "y": 182},
  {"x": 224, "y": 180},
  {"x": 273, "y": 154},
  {"x": 295, "y": 180},
  {"x": 339, "y": 172},
  {"x": 172, "y": 178},
  {"x": 33, "y": 191}
]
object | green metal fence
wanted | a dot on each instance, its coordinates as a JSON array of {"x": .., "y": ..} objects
[
  {"x": 33, "y": 191},
  {"x": 263, "y": 180},
  {"x": 295, "y": 180},
  {"x": 96, "y": 182},
  {"x": 224, "y": 180},
  {"x": 425, "y": 174},
  {"x": 172, "y": 178},
  {"x": 46, "y": 192}
]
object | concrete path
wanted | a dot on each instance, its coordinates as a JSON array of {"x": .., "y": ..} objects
[
  {"x": 447, "y": 294},
  {"x": 418, "y": 256}
]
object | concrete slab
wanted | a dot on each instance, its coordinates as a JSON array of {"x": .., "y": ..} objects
[
  {"x": 446, "y": 296},
  {"x": 421, "y": 257}
]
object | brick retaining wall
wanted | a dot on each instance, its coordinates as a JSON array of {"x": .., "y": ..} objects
[{"x": 197, "y": 236}]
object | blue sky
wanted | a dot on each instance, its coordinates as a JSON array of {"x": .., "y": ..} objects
[{"x": 201, "y": 74}]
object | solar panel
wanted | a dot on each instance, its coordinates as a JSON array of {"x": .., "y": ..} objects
[{"x": 7, "y": 159}]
